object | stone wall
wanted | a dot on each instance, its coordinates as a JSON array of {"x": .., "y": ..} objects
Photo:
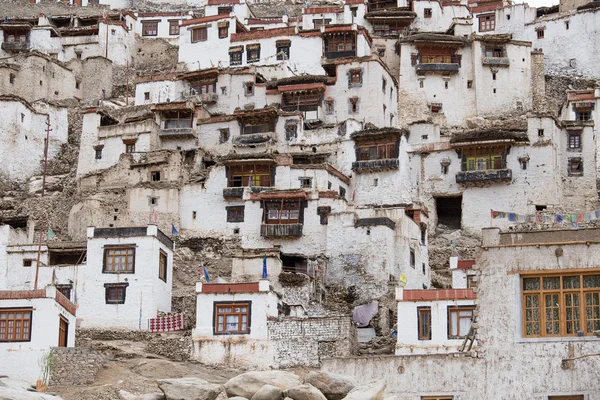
[
  {"x": 305, "y": 341},
  {"x": 75, "y": 366},
  {"x": 174, "y": 345}
]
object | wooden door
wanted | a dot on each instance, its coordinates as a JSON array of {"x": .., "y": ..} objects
[{"x": 63, "y": 332}]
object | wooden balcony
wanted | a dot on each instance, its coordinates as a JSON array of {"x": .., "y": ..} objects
[
  {"x": 438, "y": 67},
  {"x": 15, "y": 46},
  {"x": 375, "y": 165},
  {"x": 177, "y": 133},
  {"x": 496, "y": 61},
  {"x": 281, "y": 230},
  {"x": 485, "y": 175}
]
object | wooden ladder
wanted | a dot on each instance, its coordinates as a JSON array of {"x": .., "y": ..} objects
[{"x": 470, "y": 339}]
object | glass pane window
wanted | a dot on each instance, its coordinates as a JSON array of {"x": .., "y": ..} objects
[
  {"x": 232, "y": 319},
  {"x": 459, "y": 321},
  {"x": 564, "y": 305},
  {"x": 119, "y": 259}
]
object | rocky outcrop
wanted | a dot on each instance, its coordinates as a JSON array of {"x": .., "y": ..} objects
[
  {"x": 333, "y": 387},
  {"x": 304, "y": 392},
  {"x": 247, "y": 384},
  {"x": 189, "y": 389},
  {"x": 15, "y": 389},
  {"x": 268, "y": 392}
]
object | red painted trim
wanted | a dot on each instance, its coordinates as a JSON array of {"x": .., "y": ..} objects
[
  {"x": 230, "y": 287},
  {"x": 307, "y": 86},
  {"x": 322, "y": 10},
  {"x": 267, "y": 33},
  {"x": 466, "y": 264},
  {"x": 441, "y": 294},
  {"x": 65, "y": 303},
  {"x": 355, "y": 2},
  {"x": 22, "y": 294}
]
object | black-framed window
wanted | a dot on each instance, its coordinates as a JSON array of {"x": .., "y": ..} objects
[
  {"x": 235, "y": 57},
  {"x": 424, "y": 321},
  {"x": 119, "y": 259},
  {"x": 162, "y": 265},
  {"x": 115, "y": 292},
  {"x": 283, "y": 50},
  {"x": 232, "y": 318},
  {"x": 253, "y": 53},
  {"x": 15, "y": 324},
  {"x": 574, "y": 140},
  {"x": 575, "y": 166},
  {"x": 235, "y": 213}
]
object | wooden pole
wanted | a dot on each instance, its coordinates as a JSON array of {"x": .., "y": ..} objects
[{"x": 39, "y": 252}]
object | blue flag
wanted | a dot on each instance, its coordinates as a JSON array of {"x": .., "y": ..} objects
[
  {"x": 174, "y": 230},
  {"x": 205, "y": 272},
  {"x": 264, "y": 274}
]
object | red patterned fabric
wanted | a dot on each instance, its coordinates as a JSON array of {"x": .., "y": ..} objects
[{"x": 168, "y": 323}]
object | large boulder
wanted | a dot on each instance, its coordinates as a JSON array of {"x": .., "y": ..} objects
[
  {"x": 189, "y": 389},
  {"x": 371, "y": 391},
  {"x": 268, "y": 392},
  {"x": 304, "y": 392},
  {"x": 334, "y": 387},
  {"x": 247, "y": 384},
  {"x": 15, "y": 389}
]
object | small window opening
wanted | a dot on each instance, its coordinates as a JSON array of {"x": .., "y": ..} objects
[
  {"x": 146, "y": 95},
  {"x": 493, "y": 76},
  {"x": 236, "y": 231},
  {"x": 540, "y": 207},
  {"x": 305, "y": 182},
  {"x": 155, "y": 176},
  {"x": 421, "y": 84},
  {"x": 469, "y": 84},
  {"x": 412, "y": 258},
  {"x": 153, "y": 201},
  {"x": 27, "y": 262},
  {"x": 342, "y": 192},
  {"x": 11, "y": 79},
  {"x": 193, "y": 214},
  {"x": 446, "y": 85},
  {"x": 449, "y": 211},
  {"x": 376, "y": 182},
  {"x": 540, "y": 133},
  {"x": 445, "y": 169},
  {"x": 523, "y": 164}
]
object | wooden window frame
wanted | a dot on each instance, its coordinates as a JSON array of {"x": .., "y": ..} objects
[
  {"x": 540, "y": 33},
  {"x": 583, "y": 115},
  {"x": 223, "y": 32},
  {"x": 231, "y": 304},
  {"x": 174, "y": 27},
  {"x": 235, "y": 213},
  {"x": 329, "y": 106},
  {"x": 385, "y": 150},
  {"x": 199, "y": 34},
  {"x": 5, "y": 322},
  {"x": 427, "y": 13},
  {"x": 163, "y": 264},
  {"x": 487, "y": 22},
  {"x": 355, "y": 77},
  {"x": 147, "y": 28},
  {"x": 319, "y": 22},
  {"x": 224, "y": 10},
  {"x": 562, "y": 308},
  {"x": 471, "y": 282},
  {"x": 343, "y": 43},
  {"x": 282, "y": 212},
  {"x": 484, "y": 158},
  {"x": 424, "y": 313},
  {"x": 457, "y": 310},
  {"x": 239, "y": 175},
  {"x": 107, "y": 253},
  {"x": 111, "y": 292}
]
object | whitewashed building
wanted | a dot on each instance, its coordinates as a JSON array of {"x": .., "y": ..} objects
[
  {"x": 119, "y": 279},
  {"x": 31, "y": 323}
]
